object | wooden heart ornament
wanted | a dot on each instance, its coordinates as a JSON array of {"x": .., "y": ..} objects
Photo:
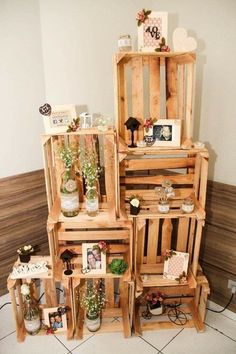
[
  {"x": 45, "y": 110},
  {"x": 181, "y": 41}
]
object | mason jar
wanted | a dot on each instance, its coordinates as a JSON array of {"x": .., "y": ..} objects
[
  {"x": 125, "y": 43},
  {"x": 163, "y": 206},
  {"x": 188, "y": 205}
]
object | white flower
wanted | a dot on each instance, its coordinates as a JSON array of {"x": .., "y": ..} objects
[
  {"x": 25, "y": 290},
  {"x": 135, "y": 202}
]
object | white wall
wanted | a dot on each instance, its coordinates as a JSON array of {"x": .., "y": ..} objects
[
  {"x": 79, "y": 38},
  {"x": 21, "y": 87}
]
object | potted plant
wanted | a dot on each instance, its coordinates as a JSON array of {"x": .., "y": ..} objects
[
  {"x": 134, "y": 205},
  {"x": 92, "y": 300},
  {"x": 155, "y": 303},
  {"x": 118, "y": 266},
  {"x": 25, "y": 253}
]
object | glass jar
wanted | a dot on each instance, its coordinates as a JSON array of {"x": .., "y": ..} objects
[
  {"x": 31, "y": 317},
  {"x": 125, "y": 43},
  {"x": 163, "y": 206},
  {"x": 69, "y": 193},
  {"x": 92, "y": 205},
  {"x": 188, "y": 205}
]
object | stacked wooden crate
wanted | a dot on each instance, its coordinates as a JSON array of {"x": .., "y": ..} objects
[{"x": 169, "y": 82}]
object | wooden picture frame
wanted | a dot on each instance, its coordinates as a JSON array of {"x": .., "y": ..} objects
[
  {"x": 93, "y": 260},
  {"x": 61, "y": 116},
  {"x": 54, "y": 319},
  {"x": 175, "y": 265},
  {"x": 152, "y": 30},
  {"x": 167, "y": 133}
]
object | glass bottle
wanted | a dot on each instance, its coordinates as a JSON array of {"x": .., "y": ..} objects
[
  {"x": 31, "y": 316},
  {"x": 92, "y": 205},
  {"x": 69, "y": 193}
]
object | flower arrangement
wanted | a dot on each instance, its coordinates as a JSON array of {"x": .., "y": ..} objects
[
  {"x": 149, "y": 123},
  {"x": 142, "y": 16},
  {"x": 163, "y": 47},
  {"x": 101, "y": 247},
  {"x": 118, "y": 266},
  {"x": 28, "y": 249},
  {"x": 165, "y": 192},
  {"x": 154, "y": 298},
  {"x": 68, "y": 156},
  {"x": 74, "y": 125},
  {"x": 89, "y": 167},
  {"x": 92, "y": 300},
  {"x": 168, "y": 254}
]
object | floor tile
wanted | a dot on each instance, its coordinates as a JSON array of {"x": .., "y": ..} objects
[
  {"x": 114, "y": 343},
  {"x": 161, "y": 337},
  {"x": 226, "y": 313},
  {"x": 209, "y": 342},
  {"x": 72, "y": 344},
  {"x": 222, "y": 323},
  {"x": 7, "y": 322},
  {"x": 32, "y": 345}
]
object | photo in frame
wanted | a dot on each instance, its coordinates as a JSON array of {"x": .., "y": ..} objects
[
  {"x": 175, "y": 265},
  {"x": 61, "y": 116},
  {"x": 167, "y": 133},
  {"x": 93, "y": 260},
  {"x": 54, "y": 319},
  {"x": 152, "y": 30}
]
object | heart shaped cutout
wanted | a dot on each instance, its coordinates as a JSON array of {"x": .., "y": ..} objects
[
  {"x": 181, "y": 41},
  {"x": 45, "y": 110}
]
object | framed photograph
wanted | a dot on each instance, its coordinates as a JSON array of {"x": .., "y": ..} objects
[
  {"x": 55, "y": 319},
  {"x": 61, "y": 116},
  {"x": 93, "y": 260},
  {"x": 175, "y": 265},
  {"x": 151, "y": 31},
  {"x": 167, "y": 132}
]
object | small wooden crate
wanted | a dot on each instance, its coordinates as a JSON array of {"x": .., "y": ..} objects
[
  {"x": 104, "y": 143},
  {"x": 117, "y": 314},
  {"x": 156, "y": 85},
  {"x": 50, "y": 299},
  {"x": 188, "y": 300}
]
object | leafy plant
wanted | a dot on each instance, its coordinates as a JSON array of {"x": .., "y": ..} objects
[{"x": 118, "y": 266}]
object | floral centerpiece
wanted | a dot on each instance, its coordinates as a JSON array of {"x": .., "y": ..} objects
[
  {"x": 92, "y": 300},
  {"x": 155, "y": 302},
  {"x": 25, "y": 253},
  {"x": 134, "y": 205}
]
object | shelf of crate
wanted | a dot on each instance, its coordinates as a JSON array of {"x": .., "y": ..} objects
[{"x": 35, "y": 259}]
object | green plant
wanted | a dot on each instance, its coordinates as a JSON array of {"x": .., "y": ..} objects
[
  {"x": 92, "y": 300},
  {"x": 68, "y": 156},
  {"x": 89, "y": 167},
  {"x": 118, "y": 266}
]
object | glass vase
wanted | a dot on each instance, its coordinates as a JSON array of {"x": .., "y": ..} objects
[
  {"x": 69, "y": 193},
  {"x": 31, "y": 317},
  {"x": 92, "y": 205}
]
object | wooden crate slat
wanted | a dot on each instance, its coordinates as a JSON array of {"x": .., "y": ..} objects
[
  {"x": 154, "y": 86},
  {"x": 92, "y": 235},
  {"x": 153, "y": 233},
  {"x": 182, "y": 237},
  {"x": 109, "y": 286},
  {"x": 189, "y": 101},
  {"x": 172, "y": 76},
  {"x": 50, "y": 292},
  {"x": 137, "y": 92},
  {"x": 175, "y": 179},
  {"x": 149, "y": 194},
  {"x": 203, "y": 181},
  {"x": 140, "y": 245},
  {"x": 181, "y": 95},
  {"x": 110, "y": 175},
  {"x": 166, "y": 235},
  {"x": 148, "y": 164}
]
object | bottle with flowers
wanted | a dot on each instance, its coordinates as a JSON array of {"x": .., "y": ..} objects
[
  {"x": 31, "y": 311},
  {"x": 69, "y": 189},
  {"x": 90, "y": 171}
]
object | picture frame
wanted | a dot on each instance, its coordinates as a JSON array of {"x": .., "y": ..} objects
[
  {"x": 54, "y": 319},
  {"x": 61, "y": 116},
  {"x": 93, "y": 260},
  {"x": 152, "y": 30},
  {"x": 176, "y": 265},
  {"x": 167, "y": 133}
]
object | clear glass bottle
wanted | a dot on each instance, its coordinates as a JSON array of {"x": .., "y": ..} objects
[
  {"x": 188, "y": 205},
  {"x": 92, "y": 205},
  {"x": 163, "y": 206},
  {"x": 69, "y": 193},
  {"x": 31, "y": 316},
  {"x": 125, "y": 43}
]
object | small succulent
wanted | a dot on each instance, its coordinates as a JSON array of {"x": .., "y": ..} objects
[{"x": 118, "y": 266}]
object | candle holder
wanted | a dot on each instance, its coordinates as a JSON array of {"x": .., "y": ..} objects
[
  {"x": 66, "y": 257},
  {"x": 132, "y": 124}
]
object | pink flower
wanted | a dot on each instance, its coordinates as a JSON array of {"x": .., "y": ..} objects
[
  {"x": 141, "y": 16},
  {"x": 102, "y": 245}
]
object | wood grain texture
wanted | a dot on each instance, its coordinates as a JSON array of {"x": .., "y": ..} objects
[
  {"x": 218, "y": 251},
  {"x": 23, "y": 215}
]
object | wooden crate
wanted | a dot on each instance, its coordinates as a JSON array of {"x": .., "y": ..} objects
[
  {"x": 48, "y": 286},
  {"x": 190, "y": 301},
  {"x": 143, "y": 170},
  {"x": 105, "y": 145},
  {"x": 156, "y": 85},
  {"x": 117, "y": 314}
]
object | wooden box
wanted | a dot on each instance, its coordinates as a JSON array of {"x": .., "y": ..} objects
[
  {"x": 105, "y": 145},
  {"x": 52, "y": 297},
  {"x": 156, "y": 85}
]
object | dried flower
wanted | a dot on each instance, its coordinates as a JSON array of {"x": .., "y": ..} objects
[
  {"x": 168, "y": 254},
  {"x": 25, "y": 249},
  {"x": 135, "y": 202},
  {"x": 153, "y": 298},
  {"x": 25, "y": 290},
  {"x": 68, "y": 156},
  {"x": 163, "y": 47},
  {"x": 142, "y": 16},
  {"x": 89, "y": 167},
  {"x": 149, "y": 123},
  {"x": 101, "y": 247},
  {"x": 166, "y": 191}
]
